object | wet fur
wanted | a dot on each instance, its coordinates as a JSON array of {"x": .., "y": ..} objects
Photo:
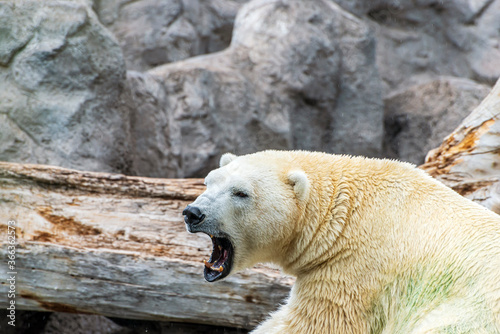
[{"x": 377, "y": 246}]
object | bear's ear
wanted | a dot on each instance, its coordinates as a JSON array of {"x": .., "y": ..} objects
[
  {"x": 226, "y": 158},
  {"x": 300, "y": 184}
]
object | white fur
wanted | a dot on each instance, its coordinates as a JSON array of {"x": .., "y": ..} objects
[
  {"x": 226, "y": 159},
  {"x": 377, "y": 246},
  {"x": 300, "y": 184}
]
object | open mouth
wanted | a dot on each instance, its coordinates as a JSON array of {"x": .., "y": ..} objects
[{"x": 221, "y": 260}]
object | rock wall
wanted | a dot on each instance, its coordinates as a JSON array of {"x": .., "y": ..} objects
[
  {"x": 162, "y": 88},
  {"x": 63, "y": 90},
  {"x": 155, "y": 32},
  {"x": 419, "y": 40},
  {"x": 419, "y": 117},
  {"x": 296, "y": 75}
]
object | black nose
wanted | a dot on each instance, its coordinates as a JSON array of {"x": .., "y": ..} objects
[{"x": 193, "y": 215}]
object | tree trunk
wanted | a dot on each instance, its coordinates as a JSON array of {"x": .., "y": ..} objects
[
  {"x": 117, "y": 246},
  {"x": 468, "y": 160}
]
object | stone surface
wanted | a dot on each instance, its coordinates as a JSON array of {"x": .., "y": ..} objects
[
  {"x": 420, "y": 40},
  {"x": 26, "y": 322},
  {"x": 416, "y": 40},
  {"x": 418, "y": 118},
  {"x": 29, "y": 322},
  {"x": 156, "y": 32},
  {"x": 158, "y": 145},
  {"x": 297, "y": 75},
  {"x": 66, "y": 323},
  {"x": 63, "y": 96}
]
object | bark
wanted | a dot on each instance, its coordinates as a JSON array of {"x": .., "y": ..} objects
[
  {"x": 116, "y": 245},
  {"x": 468, "y": 160}
]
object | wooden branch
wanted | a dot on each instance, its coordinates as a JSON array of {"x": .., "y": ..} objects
[
  {"x": 117, "y": 246},
  {"x": 468, "y": 160}
]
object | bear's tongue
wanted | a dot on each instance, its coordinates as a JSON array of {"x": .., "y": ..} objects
[
  {"x": 217, "y": 264},
  {"x": 218, "y": 258}
]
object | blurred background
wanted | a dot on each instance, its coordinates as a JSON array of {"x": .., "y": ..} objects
[{"x": 162, "y": 88}]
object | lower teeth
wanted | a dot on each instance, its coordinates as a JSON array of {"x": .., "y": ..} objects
[{"x": 210, "y": 265}]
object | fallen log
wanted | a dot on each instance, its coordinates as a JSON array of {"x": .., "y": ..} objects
[
  {"x": 116, "y": 245},
  {"x": 468, "y": 160}
]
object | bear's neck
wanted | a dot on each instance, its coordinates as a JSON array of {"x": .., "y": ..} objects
[
  {"x": 347, "y": 226},
  {"x": 328, "y": 229},
  {"x": 339, "y": 248}
]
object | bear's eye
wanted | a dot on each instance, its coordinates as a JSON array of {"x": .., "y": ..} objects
[{"x": 240, "y": 194}]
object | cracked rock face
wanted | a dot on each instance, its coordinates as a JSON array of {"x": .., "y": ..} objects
[
  {"x": 157, "y": 139},
  {"x": 418, "y": 41},
  {"x": 62, "y": 88},
  {"x": 417, "y": 119},
  {"x": 297, "y": 75},
  {"x": 156, "y": 32}
]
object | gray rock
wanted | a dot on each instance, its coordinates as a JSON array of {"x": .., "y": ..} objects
[
  {"x": 418, "y": 118},
  {"x": 219, "y": 110},
  {"x": 418, "y": 41},
  {"x": 157, "y": 134},
  {"x": 67, "y": 323},
  {"x": 485, "y": 53},
  {"x": 26, "y": 322},
  {"x": 156, "y": 32},
  {"x": 297, "y": 75},
  {"x": 63, "y": 96}
]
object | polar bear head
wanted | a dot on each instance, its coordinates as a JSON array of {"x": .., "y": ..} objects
[{"x": 249, "y": 210}]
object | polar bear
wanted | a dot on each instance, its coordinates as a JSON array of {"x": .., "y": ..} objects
[{"x": 376, "y": 246}]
